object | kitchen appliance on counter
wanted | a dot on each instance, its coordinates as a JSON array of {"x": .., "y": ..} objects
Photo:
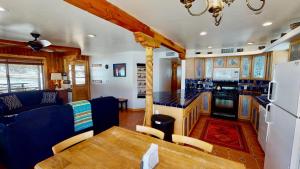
[
  {"x": 225, "y": 99},
  {"x": 282, "y": 149}
]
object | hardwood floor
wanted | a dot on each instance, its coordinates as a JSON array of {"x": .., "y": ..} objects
[{"x": 253, "y": 160}]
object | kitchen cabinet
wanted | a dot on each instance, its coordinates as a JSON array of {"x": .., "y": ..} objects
[
  {"x": 192, "y": 115},
  {"x": 246, "y": 62},
  {"x": 295, "y": 50},
  {"x": 245, "y": 103},
  {"x": 189, "y": 68},
  {"x": 206, "y": 103},
  {"x": 255, "y": 115},
  {"x": 233, "y": 62},
  {"x": 277, "y": 58},
  {"x": 208, "y": 68},
  {"x": 199, "y": 68},
  {"x": 259, "y": 67},
  {"x": 219, "y": 62}
]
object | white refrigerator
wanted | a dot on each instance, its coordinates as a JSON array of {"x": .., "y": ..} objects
[{"x": 283, "y": 118}]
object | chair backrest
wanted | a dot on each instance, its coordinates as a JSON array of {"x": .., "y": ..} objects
[
  {"x": 71, "y": 141},
  {"x": 151, "y": 131},
  {"x": 178, "y": 139}
]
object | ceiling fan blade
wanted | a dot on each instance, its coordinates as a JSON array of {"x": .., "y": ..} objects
[
  {"x": 47, "y": 50},
  {"x": 45, "y": 43}
]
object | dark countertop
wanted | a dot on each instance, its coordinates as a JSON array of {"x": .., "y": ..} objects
[
  {"x": 262, "y": 100},
  {"x": 183, "y": 98},
  {"x": 179, "y": 99}
]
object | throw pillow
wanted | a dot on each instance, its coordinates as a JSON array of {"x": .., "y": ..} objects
[
  {"x": 12, "y": 102},
  {"x": 49, "y": 97}
]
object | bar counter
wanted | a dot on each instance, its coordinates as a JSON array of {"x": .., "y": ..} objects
[
  {"x": 183, "y": 105},
  {"x": 179, "y": 99}
]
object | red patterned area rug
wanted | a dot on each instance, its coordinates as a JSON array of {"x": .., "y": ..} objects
[{"x": 224, "y": 133}]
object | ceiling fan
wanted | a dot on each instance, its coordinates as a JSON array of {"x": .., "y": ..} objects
[{"x": 36, "y": 44}]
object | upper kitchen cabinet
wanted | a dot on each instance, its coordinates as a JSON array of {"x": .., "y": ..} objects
[
  {"x": 259, "y": 67},
  {"x": 208, "y": 68},
  {"x": 199, "y": 68},
  {"x": 246, "y": 62},
  {"x": 219, "y": 62},
  {"x": 189, "y": 71},
  {"x": 295, "y": 50},
  {"x": 277, "y": 58},
  {"x": 233, "y": 62}
]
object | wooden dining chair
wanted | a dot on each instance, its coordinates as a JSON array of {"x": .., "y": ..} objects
[
  {"x": 72, "y": 141},
  {"x": 178, "y": 139},
  {"x": 151, "y": 131}
]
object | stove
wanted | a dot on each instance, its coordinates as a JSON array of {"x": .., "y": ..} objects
[{"x": 225, "y": 99}]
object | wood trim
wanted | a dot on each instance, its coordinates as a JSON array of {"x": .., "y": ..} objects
[{"x": 114, "y": 14}]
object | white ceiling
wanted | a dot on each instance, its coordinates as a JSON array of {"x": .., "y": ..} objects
[
  {"x": 239, "y": 25},
  {"x": 64, "y": 24}
]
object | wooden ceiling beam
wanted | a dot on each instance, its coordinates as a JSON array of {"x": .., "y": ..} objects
[{"x": 113, "y": 14}]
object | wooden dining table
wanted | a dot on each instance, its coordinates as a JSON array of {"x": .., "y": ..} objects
[{"x": 119, "y": 148}]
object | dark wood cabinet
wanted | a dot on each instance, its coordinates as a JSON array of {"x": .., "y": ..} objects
[{"x": 63, "y": 94}]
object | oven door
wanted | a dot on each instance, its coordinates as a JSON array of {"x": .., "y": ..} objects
[{"x": 224, "y": 105}]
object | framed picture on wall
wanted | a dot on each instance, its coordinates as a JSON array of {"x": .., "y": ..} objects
[
  {"x": 119, "y": 70},
  {"x": 233, "y": 62}
]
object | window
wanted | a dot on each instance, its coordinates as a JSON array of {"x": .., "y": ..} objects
[
  {"x": 19, "y": 76},
  {"x": 80, "y": 74}
]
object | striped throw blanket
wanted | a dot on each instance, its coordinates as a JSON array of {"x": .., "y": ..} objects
[{"x": 82, "y": 115}]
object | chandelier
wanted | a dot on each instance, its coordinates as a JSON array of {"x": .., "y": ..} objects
[{"x": 216, "y": 6}]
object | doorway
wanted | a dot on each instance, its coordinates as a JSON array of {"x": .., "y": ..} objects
[
  {"x": 176, "y": 75},
  {"x": 78, "y": 73}
]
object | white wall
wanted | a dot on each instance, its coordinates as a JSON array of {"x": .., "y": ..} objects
[
  {"x": 122, "y": 87},
  {"x": 126, "y": 87}
]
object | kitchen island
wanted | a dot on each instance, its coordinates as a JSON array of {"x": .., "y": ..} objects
[{"x": 183, "y": 105}]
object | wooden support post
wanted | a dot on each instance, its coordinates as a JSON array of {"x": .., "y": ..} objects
[
  {"x": 149, "y": 86},
  {"x": 149, "y": 43}
]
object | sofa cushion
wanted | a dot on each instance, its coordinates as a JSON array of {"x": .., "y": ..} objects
[
  {"x": 12, "y": 102},
  {"x": 29, "y": 139},
  {"x": 49, "y": 97},
  {"x": 8, "y": 119},
  {"x": 3, "y": 108},
  {"x": 28, "y": 98}
]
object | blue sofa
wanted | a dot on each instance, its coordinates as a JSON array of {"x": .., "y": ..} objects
[
  {"x": 28, "y": 140},
  {"x": 29, "y": 100}
]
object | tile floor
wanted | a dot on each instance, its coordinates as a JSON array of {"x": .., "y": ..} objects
[{"x": 253, "y": 160}]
